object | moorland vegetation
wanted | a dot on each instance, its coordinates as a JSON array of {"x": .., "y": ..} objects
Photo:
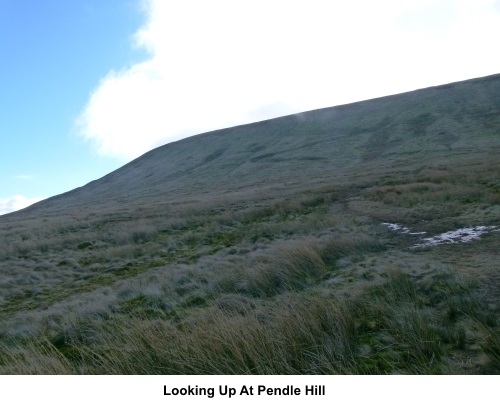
[{"x": 262, "y": 249}]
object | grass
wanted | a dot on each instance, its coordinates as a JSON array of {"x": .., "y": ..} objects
[
  {"x": 388, "y": 328},
  {"x": 288, "y": 287},
  {"x": 271, "y": 259}
]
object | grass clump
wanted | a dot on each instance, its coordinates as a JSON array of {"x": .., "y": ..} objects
[
  {"x": 386, "y": 329},
  {"x": 491, "y": 347}
]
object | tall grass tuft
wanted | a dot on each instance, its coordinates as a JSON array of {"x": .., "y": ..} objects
[
  {"x": 491, "y": 347},
  {"x": 389, "y": 328}
]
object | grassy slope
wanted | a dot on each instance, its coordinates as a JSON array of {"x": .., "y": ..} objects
[{"x": 260, "y": 249}]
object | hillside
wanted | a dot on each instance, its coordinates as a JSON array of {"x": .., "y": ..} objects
[
  {"x": 455, "y": 122},
  {"x": 305, "y": 234}
]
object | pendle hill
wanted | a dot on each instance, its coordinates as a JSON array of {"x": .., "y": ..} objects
[{"x": 356, "y": 239}]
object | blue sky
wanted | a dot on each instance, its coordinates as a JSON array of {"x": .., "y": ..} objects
[
  {"x": 88, "y": 85},
  {"x": 53, "y": 53}
]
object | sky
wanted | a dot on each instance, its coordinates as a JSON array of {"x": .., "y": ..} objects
[{"x": 88, "y": 85}]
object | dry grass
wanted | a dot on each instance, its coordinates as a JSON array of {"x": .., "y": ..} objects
[
  {"x": 270, "y": 260},
  {"x": 387, "y": 328},
  {"x": 287, "y": 286}
]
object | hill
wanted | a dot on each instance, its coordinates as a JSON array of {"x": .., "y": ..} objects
[
  {"x": 453, "y": 122},
  {"x": 305, "y": 233}
]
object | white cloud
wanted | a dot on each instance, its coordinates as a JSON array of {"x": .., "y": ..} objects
[
  {"x": 220, "y": 63},
  {"x": 24, "y": 177},
  {"x": 15, "y": 203}
]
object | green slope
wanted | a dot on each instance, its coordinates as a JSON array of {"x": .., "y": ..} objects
[
  {"x": 455, "y": 122},
  {"x": 262, "y": 249}
]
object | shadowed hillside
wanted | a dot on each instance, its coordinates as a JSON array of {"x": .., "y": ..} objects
[
  {"x": 293, "y": 245},
  {"x": 456, "y": 122}
]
